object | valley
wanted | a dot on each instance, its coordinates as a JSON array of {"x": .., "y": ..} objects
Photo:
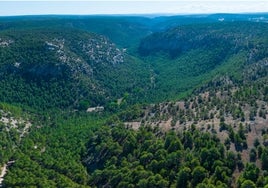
[{"x": 134, "y": 101}]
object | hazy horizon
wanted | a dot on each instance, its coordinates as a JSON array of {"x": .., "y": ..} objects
[{"x": 149, "y": 7}]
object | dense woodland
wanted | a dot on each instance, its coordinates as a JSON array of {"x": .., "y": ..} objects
[{"x": 184, "y": 101}]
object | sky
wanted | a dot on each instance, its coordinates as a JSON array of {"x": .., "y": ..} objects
[{"x": 89, "y": 7}]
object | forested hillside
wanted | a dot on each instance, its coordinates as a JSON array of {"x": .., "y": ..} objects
[
  {"x": 65, "y": 68},
  {"x": 134, "y": 101},
  {"x": 185, "y": 57},
  {"x": 87, "y": 69}
]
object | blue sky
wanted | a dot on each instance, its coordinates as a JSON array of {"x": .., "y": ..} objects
[{"x": 88, "y": 7}]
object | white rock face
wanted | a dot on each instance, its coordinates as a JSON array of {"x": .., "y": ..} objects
[
  {"x": 5, "y": 42},
  {"x": 100, "y": 51},
  {"x": 21, "y": 125},
  {"x": 75, "y": 63}
]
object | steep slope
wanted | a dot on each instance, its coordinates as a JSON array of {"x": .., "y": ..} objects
[
  {"x": 219, "y": 136},
  {"x": 232, "y": 107},
  {"x": 188, "y": 56},
  {"x": 215, "y": 138},
  {"x": 63, "y": 68},
  {"x": 90, "y": 70}
]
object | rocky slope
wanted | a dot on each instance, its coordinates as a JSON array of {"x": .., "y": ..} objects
[{"x": 77, "y": 65}]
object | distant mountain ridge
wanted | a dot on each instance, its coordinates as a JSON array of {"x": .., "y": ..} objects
[{"x": 129, "y": 29}]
